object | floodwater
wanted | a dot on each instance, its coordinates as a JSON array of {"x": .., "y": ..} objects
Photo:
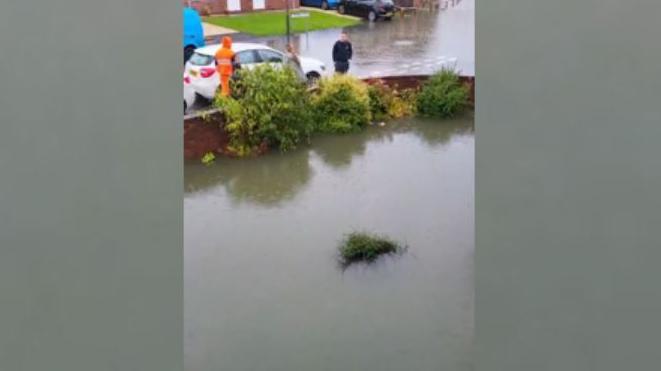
[
  {"x": 263, "y": 290},
  {"x": 419, "y": 43}
]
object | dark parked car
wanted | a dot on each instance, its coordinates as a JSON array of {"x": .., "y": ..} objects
[
  {"x": 370, "y": 9},
  {"x": 323, "y": 4}
]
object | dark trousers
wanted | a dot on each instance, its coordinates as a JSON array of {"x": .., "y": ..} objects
[{"x": 341, "y": 67}]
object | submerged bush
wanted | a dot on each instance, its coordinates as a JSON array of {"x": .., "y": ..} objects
[
  {"x": 270, "y": 106},
  {"x": 341, "y": 104},
  {"x": 387, "y": 103},
  {"x": 358, "y": 246},
  {"x": 443, "y": 95}
]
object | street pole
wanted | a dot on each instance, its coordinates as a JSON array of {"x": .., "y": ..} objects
[{"x": 288, "y": 26}]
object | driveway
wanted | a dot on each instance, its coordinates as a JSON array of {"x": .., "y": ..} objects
[{"x": 212, "y": 31}]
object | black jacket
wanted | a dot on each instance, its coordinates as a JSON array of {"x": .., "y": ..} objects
[{"x": 342, "y": 51}]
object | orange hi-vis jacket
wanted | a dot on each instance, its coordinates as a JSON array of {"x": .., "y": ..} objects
[{"x": 224, "y": 57}]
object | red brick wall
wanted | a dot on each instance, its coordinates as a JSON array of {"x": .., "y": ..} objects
[
  {"x": 215, "y": 6},
  {"x": 246, "y": 5},
  {"x": 281, "y": 4},
  {"x": 201, "y": 137},
  {"x": 415, "y": 81},
  {"x": 220, "y": 6}
]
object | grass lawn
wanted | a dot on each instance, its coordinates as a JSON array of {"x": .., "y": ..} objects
[{"x": 273, "y": 23}]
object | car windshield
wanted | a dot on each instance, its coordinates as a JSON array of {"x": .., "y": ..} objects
[{"x": 198, "y": 59}]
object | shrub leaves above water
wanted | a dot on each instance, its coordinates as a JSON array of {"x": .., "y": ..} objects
[
  {"x": 388, "y": 103},
  {"x": 443, "y": 95},
  {"x": 359, "y": 246},
  {"x": 208, "y": 158},
  {"x": 341, "y": 105},
  {"x": 269, "y": 106}
]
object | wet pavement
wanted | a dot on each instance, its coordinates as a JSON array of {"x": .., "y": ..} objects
[{"x": 417, "y": 43}]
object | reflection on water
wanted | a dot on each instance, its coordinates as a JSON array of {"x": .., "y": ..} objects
[
  {"x": 451, "y": 127},
  {"x": 264, "y": 184},
  {"x": 353, "y": 146},
  {"x": 326, "y": 149},
  {"x": 262, "y": 287}
]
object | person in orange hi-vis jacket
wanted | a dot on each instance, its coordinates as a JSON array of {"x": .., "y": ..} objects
[{"x": 224, "y": 57}]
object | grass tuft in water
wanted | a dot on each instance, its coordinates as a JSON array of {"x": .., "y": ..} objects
[
  {"x": 208, "y": 158},
  {"x": 360, "y": 246}
]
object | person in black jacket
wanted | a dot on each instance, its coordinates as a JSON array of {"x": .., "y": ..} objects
[{"x": 342, "y": 53}]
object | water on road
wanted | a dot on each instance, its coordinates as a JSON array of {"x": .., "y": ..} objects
[
  {"x": 418, "y": 43},
  {"x": 263, "y": 290}
]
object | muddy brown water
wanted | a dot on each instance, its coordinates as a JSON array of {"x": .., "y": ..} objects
[{"x": 263, "y": 290}]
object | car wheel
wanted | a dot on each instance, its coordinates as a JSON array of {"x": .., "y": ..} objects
[
  {"x": 341, "y": 10},
  {"x": 324, "y": 5},
  {"x": 371, "y": 16},
  {"x": 202, "y": 99},
  {"x": 188, "y": 52},
  {"x": 313, "y": 77}
]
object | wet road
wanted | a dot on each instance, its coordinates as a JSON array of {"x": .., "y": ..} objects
[{"x": 417, "y": 43}]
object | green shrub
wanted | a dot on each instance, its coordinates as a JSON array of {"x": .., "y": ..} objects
[
  {"x": 443, "y": 95},
  {"x": 242, "y": 133},
  {"x": 388, "y": 103},
  {"x": 341, "y": 104},
  {"x": 358, "y": 246},
  {"x": 208, "y": 158},
  {"x": 270, "y": 106},
  {"x": 378, "y": 102},
  {"x": 409, "y": 98}
]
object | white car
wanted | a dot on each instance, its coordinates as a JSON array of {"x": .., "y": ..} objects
[
  {"x": 201, "y": 67},
  {"x": 189, "y": 93}
]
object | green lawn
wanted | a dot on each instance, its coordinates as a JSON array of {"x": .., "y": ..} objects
[{"x": 273, "y": 23}]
